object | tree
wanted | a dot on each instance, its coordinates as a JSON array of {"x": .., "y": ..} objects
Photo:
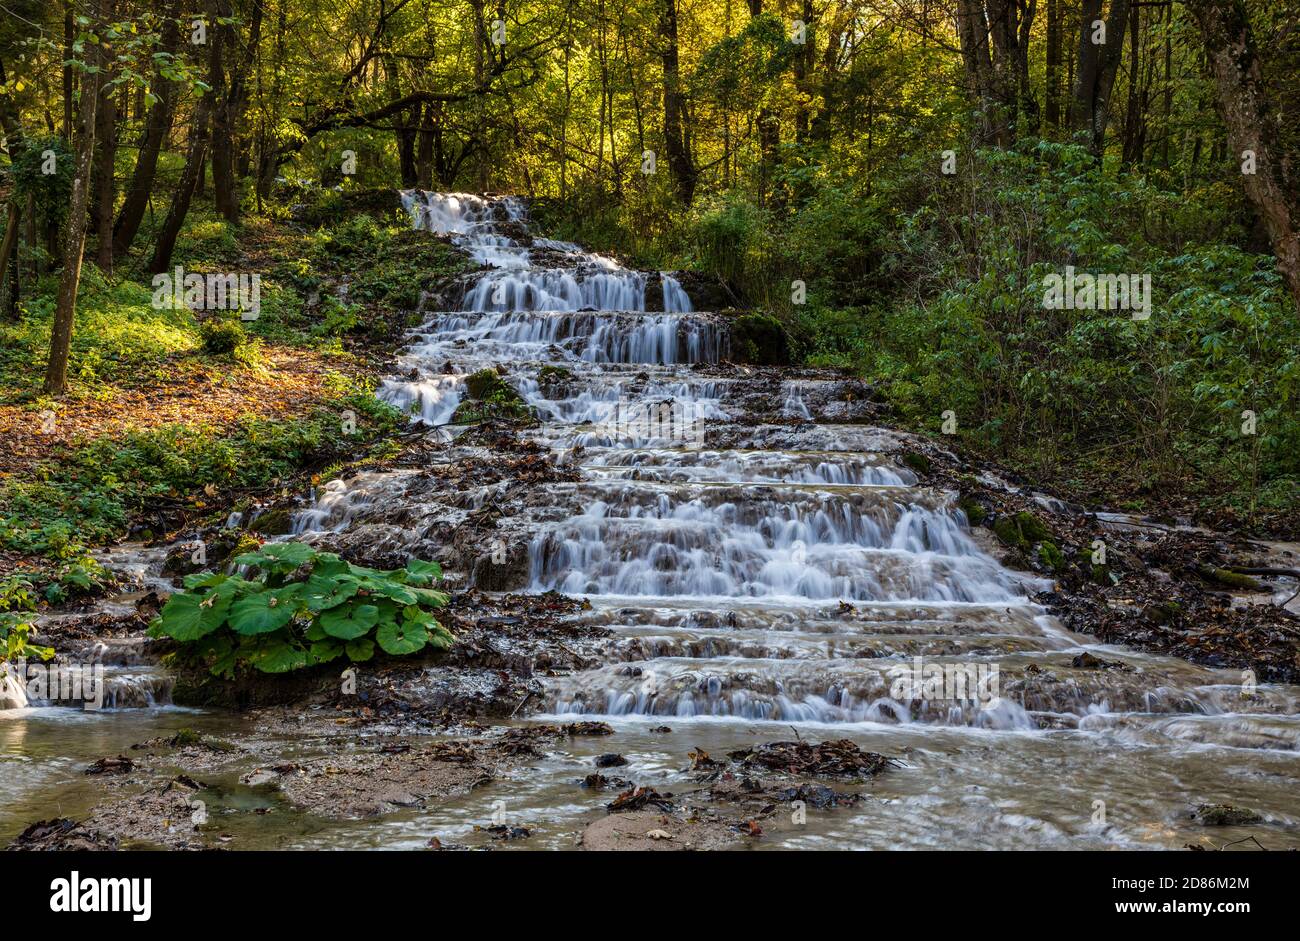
[
  {"x": 56, "y": 371},
  {"x": 1254, "y": 122}
]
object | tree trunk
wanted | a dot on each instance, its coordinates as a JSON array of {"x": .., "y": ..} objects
[
  {"x": 1098, "y": 63},
  {"x": 102, "y": 178},
  {"x": 9, "y": 262},
  {"x": 1053, "y": 95},
  {"x": 157, "y": 125},
  {"x": 679, "y": 158},
  {"x": 1254, "y": 124},
  {"x": 222, "y": 148},
  {"x": 194, "y": 159},
  {"x": 56, "y": 371}
]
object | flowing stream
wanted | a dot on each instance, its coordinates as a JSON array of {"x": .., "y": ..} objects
[{"x": 767, "y": 580}]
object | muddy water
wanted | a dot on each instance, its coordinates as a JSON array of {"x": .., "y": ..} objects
[{"x": 767, "y": 575}]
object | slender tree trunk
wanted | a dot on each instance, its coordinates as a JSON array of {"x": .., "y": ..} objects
[
  {"x": 1254, "y": 124},
  {"x": 1053, "y": 95},
  {"x": 104, "y": 183},
  {"x": 15, "y": 143},
  {"x": 194, "y": 159},
  {"x": 157, "y": 125},
  {"x": 1098, "y": 66},
  {"x": 222, "y": 150},
  {"x": 56, "y": 371},
  {"x": 679, "y": 158},
  {"x": 69, "y": 36},
  {"x": 9, "y": 261}
]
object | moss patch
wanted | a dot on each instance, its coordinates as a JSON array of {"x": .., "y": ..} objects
[
  {"x": 760, "y": 340},
  {"x": 490, "y": 397}
]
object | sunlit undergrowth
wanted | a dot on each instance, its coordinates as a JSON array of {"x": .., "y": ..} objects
[{"x": 91, "y": 493}]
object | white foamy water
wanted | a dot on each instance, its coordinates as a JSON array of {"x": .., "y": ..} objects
[{"x": 790, "y": 575}]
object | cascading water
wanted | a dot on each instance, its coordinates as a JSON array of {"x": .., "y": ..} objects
[{"x": 833, "y": 566}]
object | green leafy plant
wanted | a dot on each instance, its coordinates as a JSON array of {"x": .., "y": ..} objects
[
  {"x": 78, "y": 574},
  {"x": 15, "y": 631},
  {"x": 302, "y": 607},
  {"x": 222, "y": 337}
]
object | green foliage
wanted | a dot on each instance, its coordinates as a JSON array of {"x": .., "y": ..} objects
[
  {"x": 222, "y": 337},
  {"x": 118, "y": 335},
  {"x": 90, "y": 493},
  {"x": 15, "y": 631},
  {"x": 301, "y": 607},
  {"x": 76, "y": 574},
  {"x": 51, "y": 191}
]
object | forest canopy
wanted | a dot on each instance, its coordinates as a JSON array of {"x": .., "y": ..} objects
[{"x": 894, "y": 181}]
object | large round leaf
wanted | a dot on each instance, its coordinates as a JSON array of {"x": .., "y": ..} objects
[
  {"x": 279, "y": 658},
  {"x": 324, "y": 651},
  {"x": 187, "y": 617},
  {"x": 322, "y": 592},
  {"x": 361, "y": 649},
  {"x": 350, "y": 621},
  {"x": 260, "y": 613},
  {"x": 422, "y": 573},
  {"x": 402, "y": 639}
]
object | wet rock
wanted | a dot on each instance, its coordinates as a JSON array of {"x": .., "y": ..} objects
[
  {"x": 837, "y": 758},
  {"x": 1225, "y": 815},
  {"x": 639, "y": 798},
  {"x": 598, "y": 781},
  {"x": 509, "y": 833},
  {"x": 119, "y": 765},
  {"x": 62, "y": 835},
  {"x": 816, "y": 795},
  {"x": 610, "y": 760},
  {"x": 1086, "y": 661},
  {"x": 657, "y": 832},
  {"x": 360, "y": 784}
]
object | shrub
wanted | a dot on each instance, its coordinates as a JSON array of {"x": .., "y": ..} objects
[
  {"x": 222, "y": 337},
  {"x": 15, "y": 629},
  {"x": 303, "y": 607}
]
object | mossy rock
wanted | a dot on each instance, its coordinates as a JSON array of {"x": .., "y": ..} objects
[
  {"x": 1021, "y": 530},
  {"x": 917, "y": 462},
  {"x": 1051, "y": 556},
  {"x": 1228, "y": 578},
  {"x": 273, "y": 523},
  {"x": 490, "y": 397},
  {"x": 974, "y": 510},
  {"x": 548, "y": 375},
  {"x": 1032, "y": 527},
  {"x": 759, "y": 340},
  {"x": 1225, "y": 815},
  {"x": 486, "y": 382}
]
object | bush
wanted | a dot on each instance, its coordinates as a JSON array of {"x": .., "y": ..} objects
[
  {"x": 222, "y": 337},
  {"x": 303, "y": 608}
]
